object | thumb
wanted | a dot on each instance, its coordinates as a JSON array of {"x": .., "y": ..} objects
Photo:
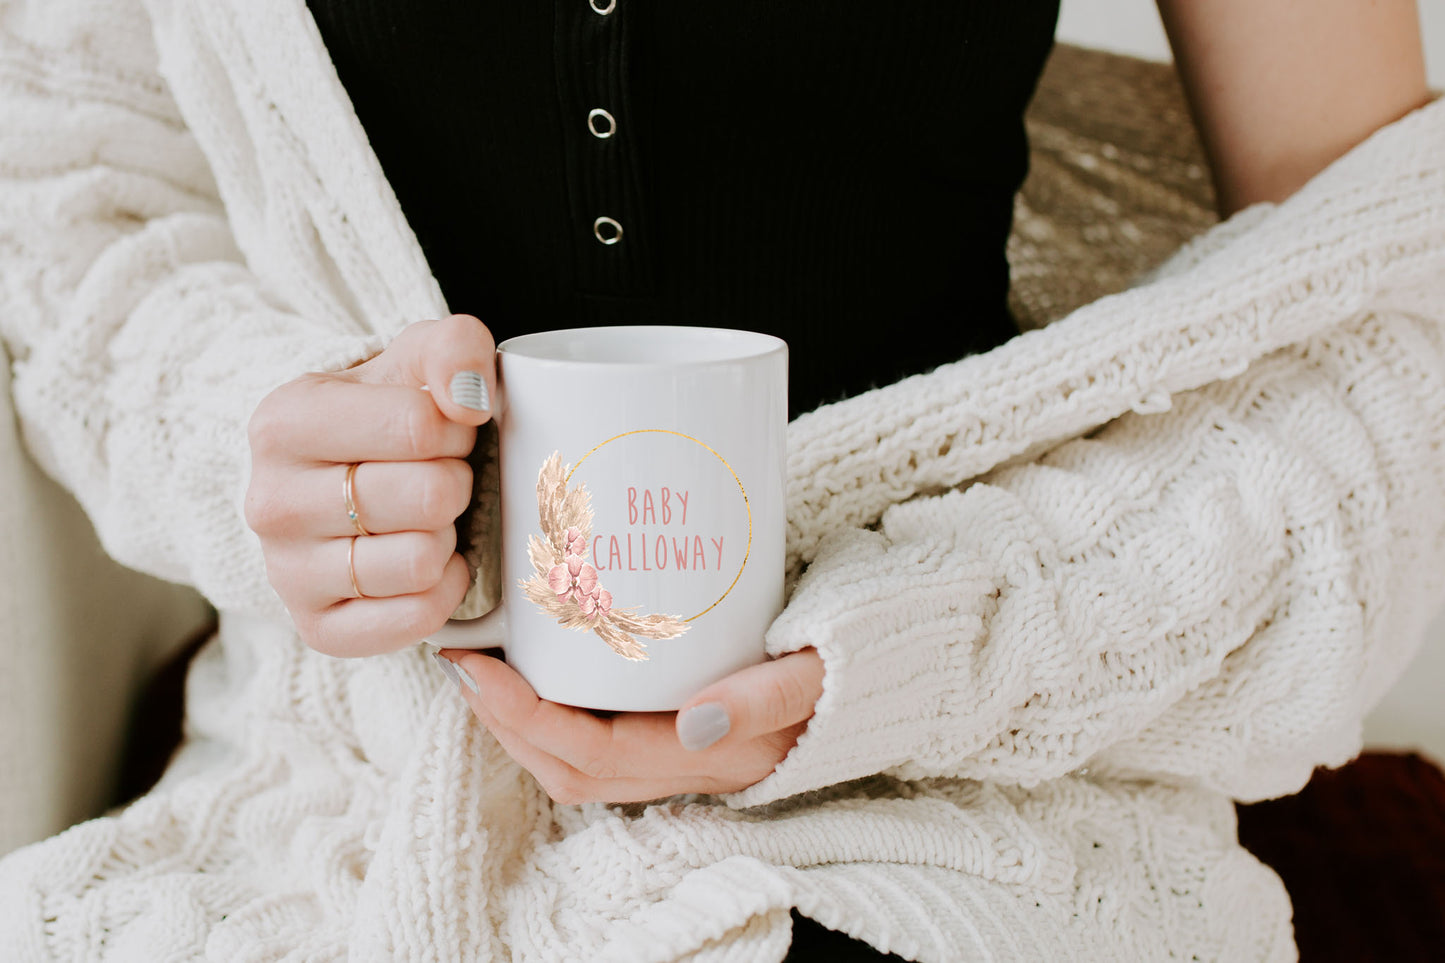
[
  {"x": 754, "y": 702},
  {"x": 454, "y": 359}
]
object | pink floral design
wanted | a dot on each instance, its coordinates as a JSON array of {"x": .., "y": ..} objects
[
  {"x": 573, "y": 577},
  {"x": 597, "y": 604},
  {"x": 577, "y": 580},
  {"x": 565, "y": 587}
]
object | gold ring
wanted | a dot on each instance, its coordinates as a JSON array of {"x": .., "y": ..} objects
[
  {"x": 348, "y": 492},
  {"x": 351, "y": 568}
]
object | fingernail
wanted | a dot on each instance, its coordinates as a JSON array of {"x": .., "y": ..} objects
[
  {"x": 467, "y": 679},
  {"x": 701, "y": 726},
  {"x": 469, "y": 389},
  {"x": 449, "y": 670}
]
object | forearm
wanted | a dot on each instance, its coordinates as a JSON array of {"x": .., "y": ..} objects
[
  {"x": 1214, "y": 594},
  {"x": 141, "y": 340},
  {"x": 1057, "y": 611},
  {"x": 1280, "y": 89},
  {"x": 140, "y": 409}
]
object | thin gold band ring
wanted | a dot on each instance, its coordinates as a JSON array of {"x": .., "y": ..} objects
[
  {"x": 351, "y": 568},
  {"x": 348, "y": 492}
]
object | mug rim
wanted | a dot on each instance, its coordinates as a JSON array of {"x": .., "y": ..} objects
[{"x": 752, "y": 345}]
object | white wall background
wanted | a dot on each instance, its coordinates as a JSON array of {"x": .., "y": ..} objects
[{"x": 1413, "y": 715}]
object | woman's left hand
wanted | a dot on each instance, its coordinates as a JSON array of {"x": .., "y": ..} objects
[{"x": 729, "y": 736}]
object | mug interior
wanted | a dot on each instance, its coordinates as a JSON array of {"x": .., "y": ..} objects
[{"x": 642, "y": 344}]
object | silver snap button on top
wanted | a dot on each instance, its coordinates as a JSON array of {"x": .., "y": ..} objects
[
  {"x": 604, "y": 8},
  {"x": 606, "y": 230},
  {"x": 606, "y": 128}
]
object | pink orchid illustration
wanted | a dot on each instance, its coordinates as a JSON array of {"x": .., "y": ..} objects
[
  {"x": 597, "y": 604},
  {"x": 565, "y": 588},
  {"x": 573, "y": 577}
]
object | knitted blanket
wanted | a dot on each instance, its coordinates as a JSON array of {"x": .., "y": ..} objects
[{"x": 1072, "y": 596}]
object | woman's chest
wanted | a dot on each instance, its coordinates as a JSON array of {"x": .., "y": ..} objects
[{"x": 929, "y": 77}]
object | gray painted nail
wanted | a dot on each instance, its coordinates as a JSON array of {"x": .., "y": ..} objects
[
  {"x": 701, "y": 726},
  {"x": 445, "y": 664},
  {"x": 467, "y": 679},
  {"x": 469, "y": 389}
]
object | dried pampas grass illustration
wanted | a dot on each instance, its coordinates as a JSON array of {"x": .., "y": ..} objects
[{"x": 565, "y": 586}]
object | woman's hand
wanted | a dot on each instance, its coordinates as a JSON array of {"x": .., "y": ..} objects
[
  {"x": 411, "y": 483},
  {"x": 726, "y": 738}
]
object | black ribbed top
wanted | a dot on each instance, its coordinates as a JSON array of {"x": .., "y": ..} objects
[{"x": 840, "y": 174}]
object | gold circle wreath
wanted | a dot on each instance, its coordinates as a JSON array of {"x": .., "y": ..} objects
[{"x": 746, "y": 504}]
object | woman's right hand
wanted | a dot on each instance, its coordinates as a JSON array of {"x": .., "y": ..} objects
[{"x": 409, "y": 417}]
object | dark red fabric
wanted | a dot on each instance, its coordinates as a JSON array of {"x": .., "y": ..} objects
[
  {"x": 1362, "y": 852},
  {"x": 156, "y": 722}
]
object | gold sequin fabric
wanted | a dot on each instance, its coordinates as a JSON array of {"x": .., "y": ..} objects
[{"x": 1117, "y": 182}]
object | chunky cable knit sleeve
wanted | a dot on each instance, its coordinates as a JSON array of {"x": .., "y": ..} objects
[
  {"x": 141, "y": 340},
  {"x": 1211, "y": 587}
]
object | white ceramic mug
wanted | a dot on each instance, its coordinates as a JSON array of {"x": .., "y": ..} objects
[{"x": 642, "y": 473}]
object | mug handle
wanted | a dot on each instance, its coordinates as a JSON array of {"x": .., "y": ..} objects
[{"x": 487, "y": 632}]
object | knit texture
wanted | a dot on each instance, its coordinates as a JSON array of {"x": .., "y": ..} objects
[{"x": 1072, "y": 595}]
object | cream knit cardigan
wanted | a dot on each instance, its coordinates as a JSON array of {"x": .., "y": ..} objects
[{"x": 1072, "y": 595}]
